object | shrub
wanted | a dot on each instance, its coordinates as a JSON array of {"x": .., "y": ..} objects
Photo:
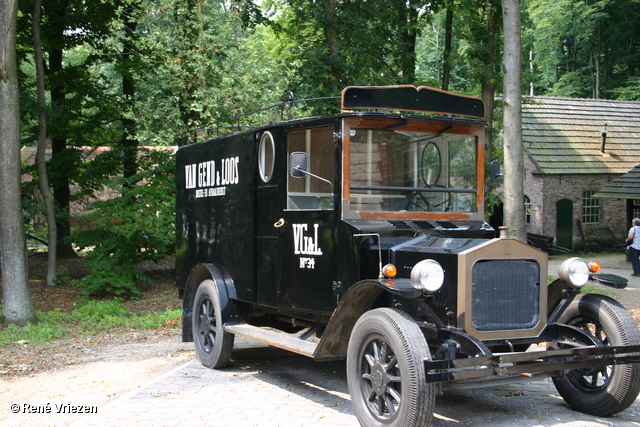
[{"x": 124, "y": 231}]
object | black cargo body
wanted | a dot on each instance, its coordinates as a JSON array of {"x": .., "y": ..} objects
[{"x": 362, "y": 235}]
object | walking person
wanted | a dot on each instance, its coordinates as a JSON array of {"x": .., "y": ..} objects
[{"x": 633, "y": 242}]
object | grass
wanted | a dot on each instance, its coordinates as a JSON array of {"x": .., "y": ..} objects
[
  {"x": 88, "y": 319},
  {"x": 592, "y": 289}
]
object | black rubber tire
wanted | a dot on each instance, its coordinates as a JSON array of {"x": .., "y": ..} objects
[
  {"x": 385, "y": 371},
  {"x": 612, "y": 389},
  {"x": 213, "y": 344}
]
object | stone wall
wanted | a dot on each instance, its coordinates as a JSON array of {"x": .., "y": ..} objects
[{"x": 545, "y": 191}]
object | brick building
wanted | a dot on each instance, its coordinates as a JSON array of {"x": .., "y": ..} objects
[{"x": 574, "y": 148}]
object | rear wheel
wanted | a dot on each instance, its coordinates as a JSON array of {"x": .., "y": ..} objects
[
  {"x": 385, "y": 371},
  {"x": 213, "y": 344},
  {"x": 610, "y": 389}
]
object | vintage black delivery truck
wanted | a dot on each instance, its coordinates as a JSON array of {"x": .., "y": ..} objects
[{"x": 361, "y": 235}]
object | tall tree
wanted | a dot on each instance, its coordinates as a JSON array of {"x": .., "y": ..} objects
[
  {"x": 514, "y": 169},
  {"x": 446, "y": 60},
  {"x": 17, "y": 307},
  {"x": 479, "y": 30},
  {"x": 331, "y": 39},
  {"x": 61, "y": 192},
  {"x": 43, "y": 178},
  {"x": 127, "y": 69},
  {"x": 407, "y": 23},
  {"x": 78, "y": 105},
  {"x": 490, "y": 73}
]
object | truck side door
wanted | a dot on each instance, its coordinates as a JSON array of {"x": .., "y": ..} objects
[
  {"x": 309, "y": 242},
  {"x": 295, "y": 222}
]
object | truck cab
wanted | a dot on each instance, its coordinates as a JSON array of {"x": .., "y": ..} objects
[{"x": 361, "y": 235}]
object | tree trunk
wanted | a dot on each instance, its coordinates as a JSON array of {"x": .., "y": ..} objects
[
  {"x": 407, "y": 23},
  {"x": 489, "y": 79},
  {"x": 17, "y": 307},
  {"x": 43, "y": 178},
  {"x": 129, "y": 141},
  {"x": 446, "y": 60},
  {"x": 61, "y": 191},
  {"x": 331, "y": 38},
  {"x": 513, "y": 164}
]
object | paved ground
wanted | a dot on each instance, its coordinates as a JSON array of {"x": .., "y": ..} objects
[
  {"x": 269, "y": 387},
  {"x": 280, "y": 389}
]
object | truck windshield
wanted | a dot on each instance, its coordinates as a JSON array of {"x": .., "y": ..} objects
[{"x": 396, "y": 171}]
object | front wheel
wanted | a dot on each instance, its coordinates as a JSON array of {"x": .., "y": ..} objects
[
  {"x": 611, "y": 389},
  {"x": 385, "y": 371},
  {"x": 213, "y": 344}
]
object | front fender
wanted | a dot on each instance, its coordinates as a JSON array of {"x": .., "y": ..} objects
[
  {"x": 358, "y": 299},
  {"x": 226, "y": 291}
]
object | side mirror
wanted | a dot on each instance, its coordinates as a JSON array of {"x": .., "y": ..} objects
[
  {"x": 495, "y": 175},
  {"x": 298, "y": 164},
  {"x": 495, "y": 172}
]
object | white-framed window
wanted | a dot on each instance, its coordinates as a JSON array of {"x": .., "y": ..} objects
[
  {"x": 310, "y": 193},
  {"x": 590, "y": 208},
  {"x": 527, "y": 210},
  {"x": 636, "y": 208}
]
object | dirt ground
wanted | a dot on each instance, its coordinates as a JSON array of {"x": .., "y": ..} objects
[
  {"x": 89, "y": 370},
  {"x": 19, "y": 359}
]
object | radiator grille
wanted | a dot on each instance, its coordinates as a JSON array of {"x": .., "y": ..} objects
[{"x": 505, "y": 295}]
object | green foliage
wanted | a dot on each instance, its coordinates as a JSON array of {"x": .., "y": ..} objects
[
  {"x": 112, "y": 314},
  {"x": 123, "y": 231},
  {"x": 47, "y": 329},
  {"x": 83, "y": 109},
  {"x": 629, "y": 91},
  {"x": 329, "y": 45},
  {"x": 572, "y": 85},
  {"x": 87, "y": 319},
  {"x": 100, "y": 314},
  {"x": 471, "y": 32},
  {"x": 584, "y": 48},
  {"x": 198, "y": 55}
]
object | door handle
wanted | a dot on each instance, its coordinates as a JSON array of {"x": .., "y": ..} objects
[{"x": 280, "y": 223}]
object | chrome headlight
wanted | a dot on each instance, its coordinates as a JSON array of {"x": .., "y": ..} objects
[
  {"x": 427, "y": 275},
  {"x": 574, "y": 271}
]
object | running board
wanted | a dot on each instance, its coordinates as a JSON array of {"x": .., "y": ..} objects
[{"x": 274, "y": 338}]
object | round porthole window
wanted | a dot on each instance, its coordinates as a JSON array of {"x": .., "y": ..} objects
[
  {"x": 266, "y": 156},
  {"x": 431, "y": 163}
]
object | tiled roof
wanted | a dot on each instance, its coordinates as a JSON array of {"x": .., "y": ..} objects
[
  {"x": 626, "y": 186},
  {"x": 564, "y": 135},
  {"x": 26, "y": 153}
]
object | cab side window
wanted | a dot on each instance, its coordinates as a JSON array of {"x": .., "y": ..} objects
[{"x": 310, "y": 193}]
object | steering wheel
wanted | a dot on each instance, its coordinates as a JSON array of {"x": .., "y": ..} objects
[
  {"x": 446, "y": 202},
  {"x": 413, "y": 202}
]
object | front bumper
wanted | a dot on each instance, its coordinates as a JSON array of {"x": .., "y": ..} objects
[
  {"x": 529, "y": 363},
  {"x": 575, "y": 350}
]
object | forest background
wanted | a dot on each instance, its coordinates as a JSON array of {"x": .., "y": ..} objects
[{"x": 129, "y": 74}]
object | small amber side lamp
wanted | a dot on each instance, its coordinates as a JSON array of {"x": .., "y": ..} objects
[
  {"x": 594, "y": 266},
  {"x": 390, "y": 270}
]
